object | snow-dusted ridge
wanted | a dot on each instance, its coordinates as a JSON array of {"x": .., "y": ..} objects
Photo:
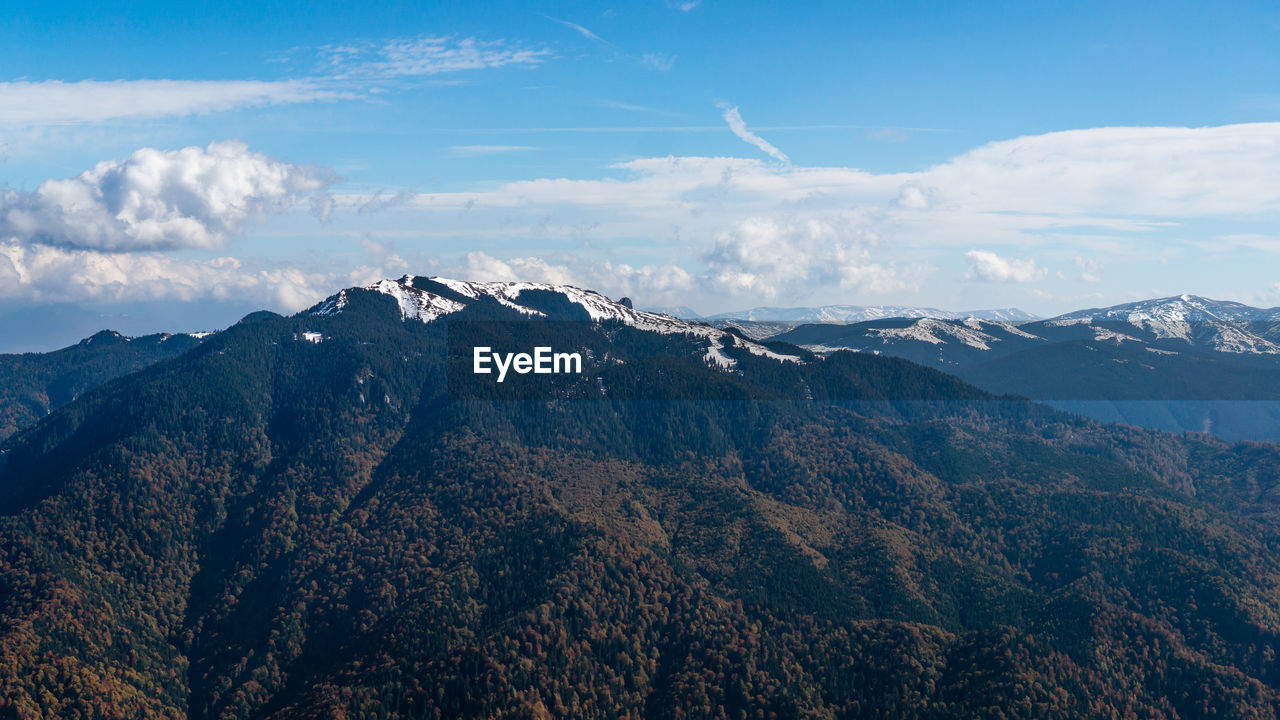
[
  {"x": 1218, "y": 324},
  {"x": 418, "y": 304},
  {"x": 932, "y": 331}
]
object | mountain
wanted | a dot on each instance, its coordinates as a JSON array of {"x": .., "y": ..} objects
[
  {"x": 1218, "y": 325},
  {"x": 45, "y": 328},
  {"x": 328, "y": 515},
  {"x": 860, "y": 313},
  {"x": 1177, "y": 309},
  {"x": 755, "y": 329},
  {"x": 33, "y": 384},
  {"x": 1179, "y": 363}
]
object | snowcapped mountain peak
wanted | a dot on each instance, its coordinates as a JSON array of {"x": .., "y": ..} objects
[
  {"x": 429, "y": 298},
  {"x": 1180, "y": 308},
  {"x": 1219, "y": 325}
]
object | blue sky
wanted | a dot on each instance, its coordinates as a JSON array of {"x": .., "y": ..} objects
[{"x": 711, "y": 154}]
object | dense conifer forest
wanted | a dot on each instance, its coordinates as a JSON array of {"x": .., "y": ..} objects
[{"x": 269, "y": 526}]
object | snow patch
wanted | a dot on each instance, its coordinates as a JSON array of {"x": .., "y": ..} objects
[
  {"x": 1105, "y": 334},
  {"x": 929, "y": 330},
  {"x": 715, "y": 355},
  {"x": 1231, "y": 339},
  {"x": 427, "y": 307}
]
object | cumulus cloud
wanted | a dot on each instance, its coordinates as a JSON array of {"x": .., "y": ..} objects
[
  {"x": 481, "y": 266},
  {"x": 986, "y": 266},
  {"x": 739, "y": 128},
  {"x": 42, "y": 273},
  {"x": 157, "y": 199},
  {"x": 771, "y": 257},
  {"x": 652, "y": 283}
]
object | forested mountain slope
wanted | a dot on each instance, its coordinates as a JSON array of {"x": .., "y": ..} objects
[
  {"x": 32, "y": 384},
  {"x": 325, "y": 516}
]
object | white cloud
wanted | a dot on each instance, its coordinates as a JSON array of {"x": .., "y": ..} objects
[
  {"x": 1133, "y": 183},
  {"x": 40, "y": 273},
  {"x": 53, "y": 102},
  {"x": 739, "y": 128},
  {"x": 987, "y": 266},
  {"x": 481, "y": 266},
  {"x": 157, "y": 199},
  {"x": 1124, "y": 171},
  {"x": 766, "y": 229},
  {"x": 1094, "y": 193},
  {"x": 652, "y": 283},
  {"x": 771, "y": 257},
  {"x": 913, "y": 197},
  {"x": 46, "y": 274}
]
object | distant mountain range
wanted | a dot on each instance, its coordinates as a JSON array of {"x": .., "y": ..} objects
[
  {"x": 34, "y": 384},
  {"x": 1176, "y": 363},
  {"x": 846, "y": 314},
  {"x": 320, "y": 516}
]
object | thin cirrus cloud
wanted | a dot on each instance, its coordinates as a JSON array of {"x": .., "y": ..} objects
[
  {"x": 54, "y": 102},
  {"x": 584, "y": 32},
  {"x": 345, "y": 73},
  {"x": 425, "y": 55},
  {"x": 659, "y": 61}
]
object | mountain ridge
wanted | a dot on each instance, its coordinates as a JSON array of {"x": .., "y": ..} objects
[{"x": 271, "y": 526}]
